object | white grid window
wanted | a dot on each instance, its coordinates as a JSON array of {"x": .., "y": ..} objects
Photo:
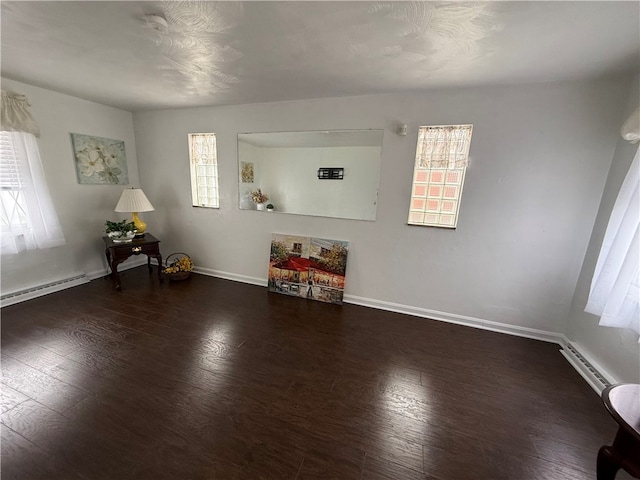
[
  {"x": 442, "y": 156},
  {"x": 204, "y": 170}
]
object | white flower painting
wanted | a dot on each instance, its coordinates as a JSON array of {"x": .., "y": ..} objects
[{"x": 99, "y": 160}]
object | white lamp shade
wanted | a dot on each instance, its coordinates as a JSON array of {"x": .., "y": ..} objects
[{"x": 133, "y": 200}]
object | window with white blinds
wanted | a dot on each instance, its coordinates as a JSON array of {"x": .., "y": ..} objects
[
  {"x": 203, "y": 161},
  {"x": 442, "y": 156},
  {"x": 13, "y": 211},
  {"x": 28, "y": 219}
]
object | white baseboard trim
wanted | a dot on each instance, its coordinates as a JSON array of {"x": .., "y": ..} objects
[
  {"x": 262, "y": 282},
  {"x": 458, "y": 319},
  {"x": 36, "y": 291}
]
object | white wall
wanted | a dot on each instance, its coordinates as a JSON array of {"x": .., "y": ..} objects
[
  {"x": 290, "y": 177},
  {"x": 616, "y": 350},
  {"x": 540, "y": 155},
  {"x": 82, "y": 209}
]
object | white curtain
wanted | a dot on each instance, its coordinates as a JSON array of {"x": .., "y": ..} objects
[
  {"x": 29, "y": 220},
  {"x": 615, "y": 288}
]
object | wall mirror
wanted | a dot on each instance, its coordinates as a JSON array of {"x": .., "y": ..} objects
[{"x": 325, "y": 173}]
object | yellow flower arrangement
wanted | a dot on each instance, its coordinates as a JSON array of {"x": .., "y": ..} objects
[
  {"x": 182, "y": 265},
  {"x": 258, "y": 197}
]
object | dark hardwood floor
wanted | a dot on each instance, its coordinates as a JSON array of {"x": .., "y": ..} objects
[{"x": 212, "y": 379}]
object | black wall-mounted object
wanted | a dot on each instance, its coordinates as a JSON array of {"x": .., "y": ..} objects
[{"x": 330, "y": 173}]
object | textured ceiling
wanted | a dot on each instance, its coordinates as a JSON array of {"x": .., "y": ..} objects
[{"x": 220, "y": 53}]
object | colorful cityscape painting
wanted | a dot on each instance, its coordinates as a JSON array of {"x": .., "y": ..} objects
[{"x": 307, "y": 267}]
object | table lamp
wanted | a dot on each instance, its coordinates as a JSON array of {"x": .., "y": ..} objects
[{"x": 133, "y": 200}]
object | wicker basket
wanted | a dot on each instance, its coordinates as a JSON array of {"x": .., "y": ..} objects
[{"x": 170, "y": 260}]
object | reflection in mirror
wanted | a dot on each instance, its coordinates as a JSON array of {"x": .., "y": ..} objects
[{"x": 325, "y": 173}]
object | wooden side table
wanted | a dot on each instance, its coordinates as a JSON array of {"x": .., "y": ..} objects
[
  {"x": 117, "y": 253},
  {"x": 623, "y": 403}
]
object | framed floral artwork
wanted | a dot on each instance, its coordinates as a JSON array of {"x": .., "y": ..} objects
[
  {"x": 99, "y": 161},
  {"x": 246, "y": 172}
]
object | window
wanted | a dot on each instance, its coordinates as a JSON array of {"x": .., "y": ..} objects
[
  {"x": 14, "y": 211},
  {"x": 27, "y": 217},
  {"x": 615, "y": 288},
  {"x": 204, "y": 170},
  {"x": 442, "y": 156}
]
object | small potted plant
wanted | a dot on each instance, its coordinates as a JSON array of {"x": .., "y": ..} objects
[
  {"x": 270, "y": 207},
  {"x": 259, "y": 198},
  {"x": 120, "y": 232}
]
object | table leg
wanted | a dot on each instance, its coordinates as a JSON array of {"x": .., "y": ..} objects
[
  {"x": 115, "y": 275},
  {"x": 113, "y": 265},
  {"x": 607, "y": 464},
  {"x": 159, "y": 258},
  {"x": 107, "y": 253}
]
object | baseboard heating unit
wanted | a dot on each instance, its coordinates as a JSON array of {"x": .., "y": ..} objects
[
  {"x": 40, "y": 290},
  {"x": 591, "y": 372}
]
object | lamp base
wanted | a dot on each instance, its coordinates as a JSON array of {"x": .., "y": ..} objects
[{"x": 141, "y": 226}]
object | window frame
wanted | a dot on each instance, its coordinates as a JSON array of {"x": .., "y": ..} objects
[
  {"x": 25, "y": 184},
  {"x": 195, "y": 166},
  {"x": 423, "y": 180}
]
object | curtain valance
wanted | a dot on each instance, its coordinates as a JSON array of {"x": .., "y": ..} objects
[
  {"x": 443, "y": 146},
  {"x": 15, "y": 114},
  {"x": 203, "y": 148}
]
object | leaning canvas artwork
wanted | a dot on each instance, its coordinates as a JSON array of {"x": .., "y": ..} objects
[
  {"x": 99, "y": 161},
  {"x": 312, "y": 268}
]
